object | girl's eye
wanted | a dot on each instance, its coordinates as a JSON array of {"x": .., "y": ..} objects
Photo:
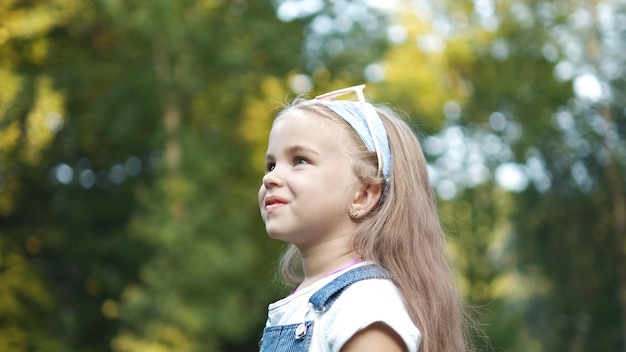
[
  {"x": 300, "y": 160},
  {"x": 270, "y": 167}
]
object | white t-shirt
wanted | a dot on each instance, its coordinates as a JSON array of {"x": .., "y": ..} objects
[{"x": 360, "y": 305}]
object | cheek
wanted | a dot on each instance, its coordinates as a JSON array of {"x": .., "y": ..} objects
[
  {"x": 345, "y": 176},
  {"x": 343, "y": 186},
  {"x": 261, "y": 195}
]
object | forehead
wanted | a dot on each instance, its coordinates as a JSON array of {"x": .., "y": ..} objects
[
  {"x": 297, "y": 126},
  {"x": 295, "y": 119}
]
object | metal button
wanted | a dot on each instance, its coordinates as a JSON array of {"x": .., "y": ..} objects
[{"x": 300, "y": 331}]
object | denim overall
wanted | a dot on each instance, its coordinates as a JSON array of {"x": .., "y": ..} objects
[{"x": 297, "y": 337}]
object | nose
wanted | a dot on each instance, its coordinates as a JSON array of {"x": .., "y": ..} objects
[{"x": 272, "y": 179}]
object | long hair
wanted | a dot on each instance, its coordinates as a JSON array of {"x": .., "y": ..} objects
[{"x": 402, "y": 234}]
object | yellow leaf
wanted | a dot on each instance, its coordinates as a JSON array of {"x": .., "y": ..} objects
[
  {"x": 43, "y": 121},
  {"x": 258, "y": 117}
]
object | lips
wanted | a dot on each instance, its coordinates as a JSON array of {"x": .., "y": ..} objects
[{"x": 273, "y": 202}]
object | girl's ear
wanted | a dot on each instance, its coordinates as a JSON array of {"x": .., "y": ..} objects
[{"x": 365, "y": 199}]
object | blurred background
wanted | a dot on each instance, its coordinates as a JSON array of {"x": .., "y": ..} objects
[{"x": 132, "y": 136}]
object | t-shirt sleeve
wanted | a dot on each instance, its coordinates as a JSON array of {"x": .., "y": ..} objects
[{"x": 362, "y": 304}]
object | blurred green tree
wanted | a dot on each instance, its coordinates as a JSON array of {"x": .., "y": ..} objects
[
  {"x": 529, "y": 161},
  {"x": 129, "y": 135}
]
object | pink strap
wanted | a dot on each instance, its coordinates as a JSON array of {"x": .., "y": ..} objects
[{"x": 349, "y": 264}]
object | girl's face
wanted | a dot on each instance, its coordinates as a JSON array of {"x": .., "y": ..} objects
[{"x": 306, "y": 194}]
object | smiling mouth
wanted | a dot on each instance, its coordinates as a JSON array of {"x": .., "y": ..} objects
[{"x": 273, "y": 202}]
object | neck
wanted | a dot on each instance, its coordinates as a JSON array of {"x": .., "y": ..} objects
[{"x": 325, "y": 260}]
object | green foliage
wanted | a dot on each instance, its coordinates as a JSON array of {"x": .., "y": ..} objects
[
  {"x": 563, "y": 238},
  {"x": 119, "y": 67},
  {"x": 140, "y": 195}
]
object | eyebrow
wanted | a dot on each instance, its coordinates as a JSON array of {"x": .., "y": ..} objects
[{"x": 295, "y": 149}]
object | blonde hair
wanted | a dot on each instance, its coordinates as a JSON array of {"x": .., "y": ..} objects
[{"x": 402, "y": 234}]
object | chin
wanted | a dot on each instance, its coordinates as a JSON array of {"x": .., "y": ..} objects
[
  {"x": 277, "y": 234},
  {"x": 274, "y": 234}
]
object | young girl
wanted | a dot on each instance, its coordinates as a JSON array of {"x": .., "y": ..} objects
[{"x": 347, "y": 186}]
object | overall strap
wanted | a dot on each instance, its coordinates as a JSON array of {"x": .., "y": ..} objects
[{"x": 323, "y": 299}]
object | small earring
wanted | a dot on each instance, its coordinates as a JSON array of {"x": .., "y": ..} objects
[{"x": 354, "y": 213}]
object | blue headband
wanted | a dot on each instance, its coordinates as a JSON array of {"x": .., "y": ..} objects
[{"x": 353, "y": 114}]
